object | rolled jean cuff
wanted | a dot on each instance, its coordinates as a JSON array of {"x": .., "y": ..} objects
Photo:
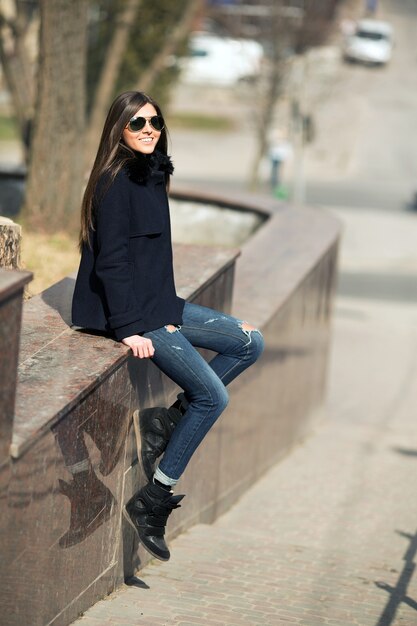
[{"x": 162, "y": 478}]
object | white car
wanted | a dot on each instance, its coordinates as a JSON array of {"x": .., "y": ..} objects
[
  {"x": 372, "y": 42},
  {"x": 220, "y": 60}
]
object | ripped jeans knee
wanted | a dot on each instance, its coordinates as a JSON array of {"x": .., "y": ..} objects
[
  {"x": 255, "y": 344},
  {"x": 170, "y": 328}
]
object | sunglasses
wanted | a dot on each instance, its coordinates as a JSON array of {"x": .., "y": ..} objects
[{"x": 138, "y": 123}]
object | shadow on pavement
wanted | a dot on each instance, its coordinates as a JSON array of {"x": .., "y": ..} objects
[
  {"x": 406, "y": 451},
  {"x": 134, "y": 581},
  {"x": 398, "y": 594}
]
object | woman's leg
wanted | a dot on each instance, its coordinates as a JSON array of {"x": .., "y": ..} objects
[
  {"x": 238, "y": 346},
  {"x": 206, "y": 398},
  {"x": 148, "y": 509},
  {"x": 237, "y": 343}
]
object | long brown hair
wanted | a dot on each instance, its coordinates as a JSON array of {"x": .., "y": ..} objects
[{"x": 113, "y": 153}]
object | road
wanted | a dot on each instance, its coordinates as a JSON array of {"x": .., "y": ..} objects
[
  {"x": 362, "y": 164},
  {"x": 365, "y": 154},
  {"x": 366, "y": 121}
]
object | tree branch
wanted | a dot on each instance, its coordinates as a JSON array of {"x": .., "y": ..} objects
[
  {"x": 181, "y": 30},
  {"x": 111, "y": 66}
]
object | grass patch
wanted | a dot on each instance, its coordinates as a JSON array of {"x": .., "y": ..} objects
[
  {"x": 8, "y": 128},
  {"x": 49, "y": 257},
  {"x": 198, "y": 121}
]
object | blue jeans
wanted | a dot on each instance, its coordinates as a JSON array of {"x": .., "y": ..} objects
[{"x": 204, "y": 384}]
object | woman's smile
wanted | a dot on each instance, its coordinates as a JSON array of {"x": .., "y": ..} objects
[{"x": 144, "y": 140}]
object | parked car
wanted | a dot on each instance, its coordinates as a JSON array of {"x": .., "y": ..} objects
[
  {"x": 220, "y": 60},
  {"x": 371, "y": 43}
]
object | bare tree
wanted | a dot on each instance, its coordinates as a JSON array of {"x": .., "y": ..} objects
[
  {"x": 316, "y": 24},
  {"x": 108, "y": 76},
  {"x": 291, "y": 27},
  {"x": 53, "y": 105},
  {"x": 172, "y": 42},
  {"x": 278, "y": 30},
  {"x": 56, "y": 158}
]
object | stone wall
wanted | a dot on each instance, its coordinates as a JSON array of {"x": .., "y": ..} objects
[
  {"x": 76, "y": 393},
  {"x": 11, "y": 296},
  {"x": 10, "y": 237}
]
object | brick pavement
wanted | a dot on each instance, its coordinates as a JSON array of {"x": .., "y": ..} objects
[{"x": 328, "y": 536}]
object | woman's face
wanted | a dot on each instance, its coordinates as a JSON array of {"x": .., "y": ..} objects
[{"x": 144, "y": 140}]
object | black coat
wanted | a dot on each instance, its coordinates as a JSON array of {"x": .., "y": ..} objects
[{"x": 125, "y": 281}]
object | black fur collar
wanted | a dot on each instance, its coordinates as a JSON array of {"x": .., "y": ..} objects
[{"x": 140, "y": 167}]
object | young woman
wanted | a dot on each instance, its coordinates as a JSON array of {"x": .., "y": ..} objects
[{"x": 125, "y": 286}]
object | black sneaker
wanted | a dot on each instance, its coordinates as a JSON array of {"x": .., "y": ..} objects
[{"x": 148, "y": 511}]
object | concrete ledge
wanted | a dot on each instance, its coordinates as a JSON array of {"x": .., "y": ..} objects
[
  {"x": 279, "y": 255},
  {"x": 284, "y": 284}
]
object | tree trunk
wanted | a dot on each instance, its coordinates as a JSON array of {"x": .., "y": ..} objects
[
  {"x": 279, "y": 31},
  {"x": 114, "y": 57},
  {"x": 55, "y": 177},
  {"x": 172, "y": 41},
  {"x": 265, "y": 124}
]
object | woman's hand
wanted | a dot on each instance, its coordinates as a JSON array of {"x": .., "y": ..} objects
[{"x": 140, "y": 346}]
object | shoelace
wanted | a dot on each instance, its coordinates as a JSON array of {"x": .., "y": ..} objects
[{"x": 162, "y": 510}]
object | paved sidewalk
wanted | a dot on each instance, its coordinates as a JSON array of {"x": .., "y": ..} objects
[{"x": 329, "y": 535}]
